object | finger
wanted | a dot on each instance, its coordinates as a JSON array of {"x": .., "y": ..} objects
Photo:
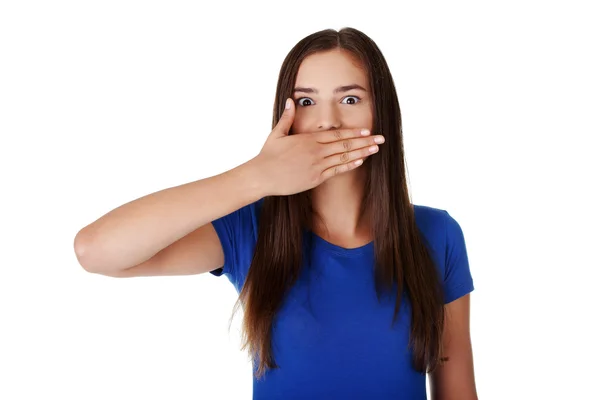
[
  {"x": 341, "y": 168},
  {"x": 340, "y": 134},
  {"x": 287, "y": 119},
  {"x": 348, "y": 156},
  {"x": 346, "y": 145}
]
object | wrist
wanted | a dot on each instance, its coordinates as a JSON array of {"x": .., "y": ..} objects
[{"x": 252, "y": 179}]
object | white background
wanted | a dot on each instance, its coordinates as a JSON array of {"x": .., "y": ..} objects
[{"x": 104, "y": 102}]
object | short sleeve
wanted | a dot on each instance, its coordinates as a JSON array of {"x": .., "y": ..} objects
[
  {"x": 458, "y": 280},
  {"x": 237, "y": 232}
]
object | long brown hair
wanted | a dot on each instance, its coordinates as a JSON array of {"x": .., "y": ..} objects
[{"x": 402, "y": 257}]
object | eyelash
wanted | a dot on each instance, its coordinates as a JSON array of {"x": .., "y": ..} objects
[{"x": 298, "y": 102}]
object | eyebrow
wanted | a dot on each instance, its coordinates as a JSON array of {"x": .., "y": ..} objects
[{"x": 340, "y": 89}]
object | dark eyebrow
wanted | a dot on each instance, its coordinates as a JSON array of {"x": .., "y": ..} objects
[{"x": 340, "y": 89}]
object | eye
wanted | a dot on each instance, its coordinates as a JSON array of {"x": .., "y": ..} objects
[
  {"x": 351, "y": 99},
  {"x": 304, "y": 101}
]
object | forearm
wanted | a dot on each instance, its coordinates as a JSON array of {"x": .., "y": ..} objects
[{"x": 135, "y": 231}]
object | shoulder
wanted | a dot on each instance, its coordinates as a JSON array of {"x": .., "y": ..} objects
[
  {"x": 430, "y": 220},
  {"x": 437, "y": 224},
  {"x": 441, "y": 231},
  {"x": 246, "y": 218},
  {"x": 238, "y": 234},
  {"x": 444, "y": 238}
]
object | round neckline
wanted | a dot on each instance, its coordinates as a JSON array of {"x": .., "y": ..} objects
[{"x": 350, "y": 252}]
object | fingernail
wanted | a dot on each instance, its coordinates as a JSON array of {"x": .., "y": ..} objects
[
  {"x": 379, "y": 139},
  {"x": 288, "y": 104},
  {"x": 365, "y": 132},
  {"x": 373, "y": 149}
]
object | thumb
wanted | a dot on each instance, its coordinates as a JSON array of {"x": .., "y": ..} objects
[{"x": 287, "y": 119}]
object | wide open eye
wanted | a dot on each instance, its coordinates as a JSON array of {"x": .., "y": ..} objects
[
  {"x": 351, "y": 99},
  {"x": 304, "y": 101}
]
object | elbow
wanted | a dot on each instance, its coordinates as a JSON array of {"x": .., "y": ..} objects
[
  {"x": 90, "y": 257},
  {"x": 84, "y": 252}
]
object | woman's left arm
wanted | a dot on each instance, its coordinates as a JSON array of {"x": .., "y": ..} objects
[{"x": 454, "y": 379}]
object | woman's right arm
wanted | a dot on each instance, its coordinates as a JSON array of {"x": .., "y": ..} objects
[{"x": 168, "y": 232}]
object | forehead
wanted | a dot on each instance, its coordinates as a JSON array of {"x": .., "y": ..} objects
[{"x": 331, "y": 69}]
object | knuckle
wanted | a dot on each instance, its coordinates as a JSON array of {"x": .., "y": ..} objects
[
  {"x": 337, "y": 134},
  {"x": 347, "y": 144},
  {"x": 344, "y": 156},
  {"x": 316, "y": 179},
  {"x": 319, "y": 164},
  {"x": 319, "y": 152},
  {"x": 321, "y": 176},
  {"x": 317, "y": 160}
]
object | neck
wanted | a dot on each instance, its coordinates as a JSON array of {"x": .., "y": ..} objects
[{"x": 337, "y": 202}]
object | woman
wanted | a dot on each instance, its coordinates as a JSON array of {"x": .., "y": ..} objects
[{"x": 348, "y": 289}]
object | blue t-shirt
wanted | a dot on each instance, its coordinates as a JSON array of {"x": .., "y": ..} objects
[{"x": 332, "y": 339}]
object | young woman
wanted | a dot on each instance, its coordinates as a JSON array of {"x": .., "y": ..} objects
[{"x": 348, "y": 290}]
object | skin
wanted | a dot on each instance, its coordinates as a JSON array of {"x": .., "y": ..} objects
[
  {"x": 320, "y": 107},
  {"x": 455, "y": 379}
]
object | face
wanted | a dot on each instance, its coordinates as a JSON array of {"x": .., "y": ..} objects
[{"x": 331, "y": 92}]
